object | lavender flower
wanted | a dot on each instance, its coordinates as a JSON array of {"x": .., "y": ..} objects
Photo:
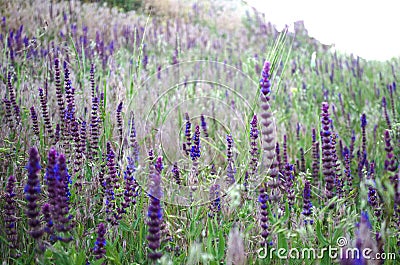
[
  {"x": 195, "y": 151},
  {"x": 99, "y": 246},
  {"x": 94, "y": 129},
  {"x": 154, "y": 214},
  {"x": 32, "y": 191},
  {"x": 64, "y": 224},
  {"x": 159, "y": 165},
  {"x": 45, "y": 113},
  {"x": 384, "y": 106},
  {"x": 263, "y": 199},
  {"x": 204, "y": 125},
  {"x": 8, "y": 112},
  {"x": 215, "y": 200},
  {"x": 315, "y": 155},
  {"x": 390, "y": 160},
  {"x": 176, "y": 173},
  {"x": 186, "y": 146},
  {"x": 302, "y": 160},
  {"x": 307, "y": 205},
  {"x": 372, "y": 195},
  {"x": 119, "y": 121},
  {"x": 46, "y": 211},
  {"x": 13, "y": 98},
  {"x": 327, "y": 158},
  {"x": 337, "y": 168},
  {"x": 230, "y": 171},
  {"x": 289, "y": 181},
  {"x": 57, "y": 134},
  {"x": 92, "y": 83},
  {"x": 254, "y": 153},
  {"x": 10, "y": 219},
  {"x": 59, "y": 93},
  {"x": 35, "y": 124},
  {"x": 133, "y": 141},
  {"x": 111, "y": 184},
  {"x": 364, "y": 137},
  {"x": 131, "y": 185}
]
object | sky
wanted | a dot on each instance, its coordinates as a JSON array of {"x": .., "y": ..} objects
[{"x": 369, "y": 29}]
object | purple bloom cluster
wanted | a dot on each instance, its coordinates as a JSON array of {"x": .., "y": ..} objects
[
  {"x": 133, "y": 141},
  {"x": 195, "y": 150},
  {"x": 35, "y": 124},
  {"x": 155, "y": 213},
  {"x": 215, "y": 200},
  {"x": 204, "y": 125},
  {"x": 186, "y": 146},
  {"x": 230, "y": 171},
  {"x": 99, "y": 250},
  {"x": 32, "y": 191},
  {"x": 315, "y": 156},
  {"x": 10, "y": 219},
  {"x": 119, "y": 121},
  {"x": 131, "y": 186},
  {"x": 307, "y": 205},
  {"x": 326, "y": 138},
  {"x": 176, "y": 173},
  {"x": 45, "y": 113},
  {"x": 263, "y": 200},
  {"x": 254, "y": 153},
  {"x": 111, "y": 184}
]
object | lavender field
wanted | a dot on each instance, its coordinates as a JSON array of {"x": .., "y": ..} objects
[{"x": 186, "y": 132}]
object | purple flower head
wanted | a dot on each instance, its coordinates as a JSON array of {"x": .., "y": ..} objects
[
  {"x": 32, "y": 191},
  {"x": 154, "y": 213},
  {"x": 307, "y": 205},
  {"x": 265, "y": 82},
  {"x": 215, "y": 200},
  {"x": 363, "y": 120},
  {"x": 10, "y": 211},
  {"x": 195, "y": 150},
  {"x": 159, "y": 164},
  {"x": 99, "y": 246}
]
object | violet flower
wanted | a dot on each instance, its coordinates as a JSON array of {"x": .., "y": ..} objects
[
  {"x": 45, "y": 113},
  {"x": 307, "y": 204},
  {"x": 119, "y": 121},
  {"x": 326, "y": 138},
  {"x": 10, "y": 218},
  {"x": 154, "y": 214},
  {"x": 315, "y": 156},
  {"x": 99, "y": 250},
  {"x": 176, "y": 173},
  {"x": 32, "y": 191},
  {"x": 204, "y": 125},
  {"x": 35, "y": 124},
  {"x": 215, "y": 200},
  {"x": 263, "y": 200}
]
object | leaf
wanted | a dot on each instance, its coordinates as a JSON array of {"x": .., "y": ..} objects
[{"x": 318, "y": 229}]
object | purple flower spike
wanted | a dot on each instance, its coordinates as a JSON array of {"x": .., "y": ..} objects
[
  {"x": 99, "y": 246},
  {"x": 327, "y": 158},
  {"x": 307, "y": 205},
  {"x": 265, "y": 82},
  {"x": 10, "y": 219},
  {"x": 154, "y": 213},
  {"x": 32, "y": 191}
]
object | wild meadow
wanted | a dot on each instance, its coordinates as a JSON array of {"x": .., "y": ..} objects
[{"x": 185, "y": 132}]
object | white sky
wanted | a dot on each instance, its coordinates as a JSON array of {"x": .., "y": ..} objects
[{"x": 370, "y": 29}]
